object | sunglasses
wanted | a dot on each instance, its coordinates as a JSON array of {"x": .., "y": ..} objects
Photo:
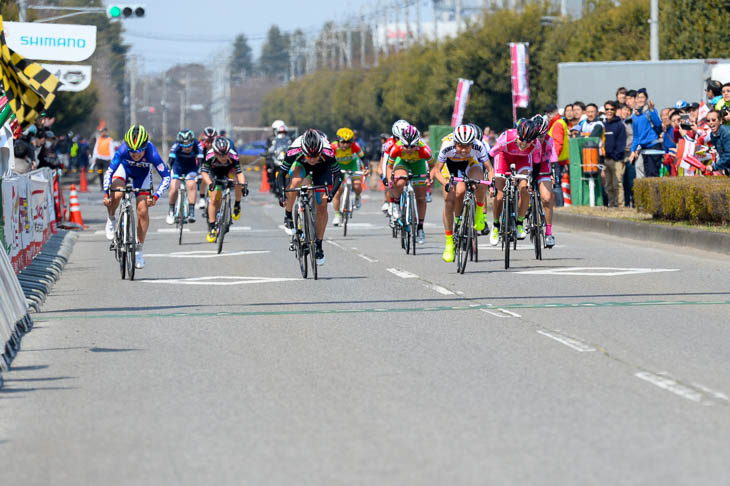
[
  {"x": 139, "y": 150},
  {"x": 186, "y": 145},
  {"x": 346, "y": 141},
  {"x": 609, "y": 109}
]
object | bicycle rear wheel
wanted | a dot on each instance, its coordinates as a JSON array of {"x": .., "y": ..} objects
[
  {"x": 414, "y": 220},
  {"x": 507, "y": 223},
  {"x": 131, "y": 243},
  {"x": 536, "y": 226},
  {"x": 222, "y": 223},
  {"x": 311, "y": 240},
  {"x": 298, "y": 239},
  {"x": 345, "y": 208}
]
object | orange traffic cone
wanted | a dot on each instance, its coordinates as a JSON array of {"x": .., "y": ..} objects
[
  {"x": 565, "y": 185},
  {"x": 83, "y": 185},
  {"x": 75, "y": 216},
  {"x": 265, "y": 187}
]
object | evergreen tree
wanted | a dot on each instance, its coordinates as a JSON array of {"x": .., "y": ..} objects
[
  {"x": 274, "y": 60},
  {"x": 241, "y": 59}
]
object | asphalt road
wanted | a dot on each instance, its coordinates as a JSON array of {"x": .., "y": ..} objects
[{"x": 605, "y": 363}]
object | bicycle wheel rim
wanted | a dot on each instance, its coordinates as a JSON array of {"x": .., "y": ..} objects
[
  {"x": 222, "y": 226},
  {"x": 121, "y": 249},
  {"x": 464, "y": 242},
  {"x": 311, "y": 240},
  {"x": 414, "y": 222},
  {"x": 300, "y": 254},
  {"x": 131, "y": 244}
]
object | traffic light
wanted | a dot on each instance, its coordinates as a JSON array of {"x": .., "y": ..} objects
[{"x": 125, "y": 11}]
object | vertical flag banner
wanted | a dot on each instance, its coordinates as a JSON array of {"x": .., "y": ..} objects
[
  {"x": 520, "y": 77},
  {"x": 30, "y": 89},
  {"x": 462, "y": 96}
]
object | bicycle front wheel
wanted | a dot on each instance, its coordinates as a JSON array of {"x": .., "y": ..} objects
[
  {"x": 414, "y": 220},
  {"x": 222, "y": 224},
  {"x": 131, "y": 242},
  {"x": 121, "y": 244},
  {"x": 181, "y": 213},
  {"x": 298, "y": 240},
  {"x": 467, "y": 222},
  {"x": 311, "y": 240},
  {"x": 508, "y": 235}
]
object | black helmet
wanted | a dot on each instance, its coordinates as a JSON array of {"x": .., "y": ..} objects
[
  {"x": 185, "y": 137},
  {"x": 527, "y": 131},
  {"x": 312, "y": 144},
  {"x": 221, "y": 145},
  {"x": 209, "y": 133}
]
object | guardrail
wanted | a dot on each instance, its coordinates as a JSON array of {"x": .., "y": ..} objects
[{"x": 14, "y": 317}]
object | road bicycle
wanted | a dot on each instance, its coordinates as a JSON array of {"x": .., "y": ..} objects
[
  {"x": 124, "y": 244},
  {"x": 408, "y": 222},
  {"x": 508, "y": 220},
  {"x": 182, "y": 208},
  {"x": 536, "y": 219},
  {"x": 347, "y": 200},
  {"x": 465, "y": 236},
  {"x": 224, "y": 218},
  {"x": 304, "y": 237}
]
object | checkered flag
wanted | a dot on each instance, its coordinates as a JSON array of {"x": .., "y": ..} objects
[{"x": 30, "y": 88}]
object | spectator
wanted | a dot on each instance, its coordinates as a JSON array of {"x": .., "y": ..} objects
[
  {"x": 664, "y": 117},
  {"x": 615, "y": 145},
  {"x": 720, "y": 139},
  {"x": 647, "y": 137},
  {"x": 630, "y": 168},
  {"x": 694, "y": 111},
  {"x": 723, "y": 106},
  {"x": 713, "y": 92},
  {"x": 591, "y": 126},
  {"x": 579, "y": 109},
  {"x": 630, "y": 99},
  {"x": 621, "y": 96},
  {"x": 82, "y": 154},
  {"x": 47, "y": 156},
  {"x": 668, "y": 131},
  {"x": 63, "y": 148},
  {"x": 103, "y": 152},
  {"x": 25, "y": 159},
  {"x": 558, "y": 132},
  {"x": 568, "y": 114}
]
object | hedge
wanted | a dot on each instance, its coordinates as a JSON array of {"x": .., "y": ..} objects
[{"x": 693, "y": 199}]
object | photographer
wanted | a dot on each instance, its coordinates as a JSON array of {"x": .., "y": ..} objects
[
  {"x": 720, "y": 139},
  {"x": 647, "y": 137}
]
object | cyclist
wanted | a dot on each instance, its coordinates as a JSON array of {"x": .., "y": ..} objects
[
  {"x": 184, "y": 159},
  {"x": 205, "y": 143},
  {"x": 387, "y": 145},
  {"x": 545, "y": 179},
  {"x": 133, "y": 160},
  {"x": 221, "y": 162},
  {"x": 349, "y": 155},
  {"x": 461, "y": 154},
  {"x": 518, "y": 146},
  {"x": 310, "y": 155},
  {"x": 410, "y": 155}
]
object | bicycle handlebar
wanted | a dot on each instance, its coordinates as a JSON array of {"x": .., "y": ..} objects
[
  {"x": 301, "y": 189},
  {"x": 471, "y": 181}
]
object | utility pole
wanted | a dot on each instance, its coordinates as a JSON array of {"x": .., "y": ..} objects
[
  {"x": 435, "y": 23},
  {"x": 349, "y": 46},
  {"x": 396, "y": 6},
  {"x": 654, "y": 30},
  {"x": 132, "y": 92},
  {"x": 407, "y": 26},
  {"x": 164, "y": 113},
  {"x": 362, "y": 38},
  {"x": 21, "y": 10},
  {"x": 375, "y": 35},
  {"x": 419, "y": 33},
  {"x": 458, "y": 16}
]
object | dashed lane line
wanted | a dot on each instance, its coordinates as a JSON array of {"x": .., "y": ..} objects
[
  {"x": 441, "y": 290},
  {"x": 573, "y": 343},
  {"x": 402, "y": 273}
]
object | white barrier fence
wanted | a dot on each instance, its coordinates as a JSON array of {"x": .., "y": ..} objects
[
  {"x": 29, "y": 215},
  {"x": 14, "y": 318}
]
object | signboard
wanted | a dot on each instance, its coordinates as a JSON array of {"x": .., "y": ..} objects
[
  {"x": 51, "y": 42},
  {"x": 73, "y": 77}
]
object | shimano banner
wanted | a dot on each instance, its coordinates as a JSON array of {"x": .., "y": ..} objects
[{"x": 51, "y": 42}]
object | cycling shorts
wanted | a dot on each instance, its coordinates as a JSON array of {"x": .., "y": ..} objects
[
  {"x": 319, "y": 173},
  {"x": 417, "y": 167},
  {"x": 221, "y": 173},
  {"x": 501, "y": 167},
  {"x": 458, "y": 168},
  {"x": 187, "y": 171},
  {"x": 544, "y": 174},
  {"x": 353, "y": 165},
  {"x": 139, "y": 182}
]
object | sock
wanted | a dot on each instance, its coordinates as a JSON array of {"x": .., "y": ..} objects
[
  {"x": 521, "y": 220},
  {"x": 496, "y": 224},
  {"x": 548, "y": 229},
  {"x": 392, "y": 199},
  {"x": 237, "y": 204},
  {"x": 449, "y": 234},
  {"x": 480, "y": 205},
  {"x": 420, "y": 224},
  {"x": 210, "y": 226},
  {"x": 172, "y": 208},
  {"x": 139, "y": 246},
  {"x": 319, "y": 244}
]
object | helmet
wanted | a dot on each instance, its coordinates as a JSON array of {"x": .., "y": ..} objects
[
  {"x": 277, "y": 123},
  {"x": 209, "y": 133},
  {"x": 542, "y": 123},
  {"x": 312, "y": 144},
  {"x": 410, "y": 136},
  {"x": 185, "y": 137},
  {"x": 464, "y": 135},
  {"x": 478, "y": 130},
  {"x": 282, "y": 128},
  {"x": 398, "y": 126},
  {"x": 345, "y": 134},
  {"x": 221, "y": 145},
  {"x": 681, "y": 105},
  {"x": 527, "y": 131},
  {"x": 136, "y": 138}
]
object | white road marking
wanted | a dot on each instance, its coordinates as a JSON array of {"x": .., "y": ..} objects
[
  {"x": 441, "y": 290},
  {"x": 360, "y": 225},
  {"x": 172, "y": 230},
  {"x": 513, "y": 314},
  {"x": 568, "y": 341},
  {"x": 401, "y": 273},
  {"x": 367, "y": 258},
  {"x": 495, "y": 314},
  {"x": 498, "y": 312},
  {"x": 334, "y": 243},
  {"x": 671, "y": 385},
  {"x": 710, "y": 391},
  {"x": 519, "y": 247},
  {"x": 204, "y": 254},
  {"x": 597, "y": 271},
  {"x": 220, "y": 280},
  {"x": 240, "y": 228}
]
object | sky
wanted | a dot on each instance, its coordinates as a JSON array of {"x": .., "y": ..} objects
[{"x": 181, "y": 31}]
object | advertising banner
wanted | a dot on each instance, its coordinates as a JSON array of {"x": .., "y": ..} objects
[
  {"x": 73, "y": 77},
  {"x": 520, "y": 81},
  {"x": 51, "y": 42},
  {"x": 462, "y": 96}
]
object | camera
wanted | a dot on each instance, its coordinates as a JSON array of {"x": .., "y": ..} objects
[
  {"x": 684, "y": 122},
  {"x": 724, "y": 111}
]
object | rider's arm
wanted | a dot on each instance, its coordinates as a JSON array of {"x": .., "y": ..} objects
[
  {"x": 291, "y": 156},
  {"x": 113, "y": 165},
  {"x": 205, "y": 171},
  {"x": 161, "y": 169},
  {"x": 439, "y": 176},
  {"x": 335, "y": 169}
]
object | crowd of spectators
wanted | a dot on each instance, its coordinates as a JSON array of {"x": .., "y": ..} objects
[{"x": 636, "y": 140}]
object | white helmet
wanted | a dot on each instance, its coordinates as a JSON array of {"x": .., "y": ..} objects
[
  {"x": 277, "y": 123},
  {"x": 465, "y": 135},
  {"x": 398, "y": 127},
  {"x": 282, "y": 128}
]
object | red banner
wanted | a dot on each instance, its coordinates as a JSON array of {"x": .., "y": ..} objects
[
  {"x": 520, "y": 76},
  {"x": 462, "y": 96}
]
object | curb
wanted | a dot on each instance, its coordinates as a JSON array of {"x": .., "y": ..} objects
[{"x": 685, "y": 237}]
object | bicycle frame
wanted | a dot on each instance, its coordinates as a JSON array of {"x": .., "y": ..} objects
[
  {"x": 408, "y": 211},
  {"x": 304, "y": 238},
  {"x": 125, "y": 234},
  {"x": 465, "y": 236},
  {"x": 508, "y": 220},
  {"x": 346, "y": 199}
]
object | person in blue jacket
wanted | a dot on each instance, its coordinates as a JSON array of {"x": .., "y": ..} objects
[
  {"x": 647, "y": 140},
  {"x": 720, "y": 139}
]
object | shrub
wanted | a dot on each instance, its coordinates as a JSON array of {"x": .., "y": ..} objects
[{"x": 693, "y": 199}]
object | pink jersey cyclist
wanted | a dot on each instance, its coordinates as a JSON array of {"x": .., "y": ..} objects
[
  {"x": 549, "y": 156},
  {"x": 505, "y": 152}
]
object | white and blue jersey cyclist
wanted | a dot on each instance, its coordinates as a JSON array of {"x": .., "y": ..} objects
[{"x": 124, "y": 167}]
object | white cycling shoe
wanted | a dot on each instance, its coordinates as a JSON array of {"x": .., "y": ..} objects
[
  {"x": 494, "y": 236},
  {"x": 420, "y": 237},
  {"x": 170, "y": 219},
  {"x": 138, "y": 259},
  {"x": 337, "y": 220},
  {"x": 109, "y": 229},
  {"x": 201, "y": 203},
  {"x": 549, "y": 241},
  {"x": 385, "y": 208}
]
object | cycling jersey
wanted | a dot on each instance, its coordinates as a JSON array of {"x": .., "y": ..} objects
[
  {"x": 295, "y": 160},
  {"x": 124, "y": 167},
  {"x": 415, "y": 162},
  {"x": 457, "y": 164},
  {"x": 185, "y": 164},
  {"x": 218, "y": 169},
  {"x": 389, "y": 143},
  {"x": 349, "y": 158},
  {"x": 506, "y": 152}
]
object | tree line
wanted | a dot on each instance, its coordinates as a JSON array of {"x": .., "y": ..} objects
[{"x": 419, "y": 84}]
